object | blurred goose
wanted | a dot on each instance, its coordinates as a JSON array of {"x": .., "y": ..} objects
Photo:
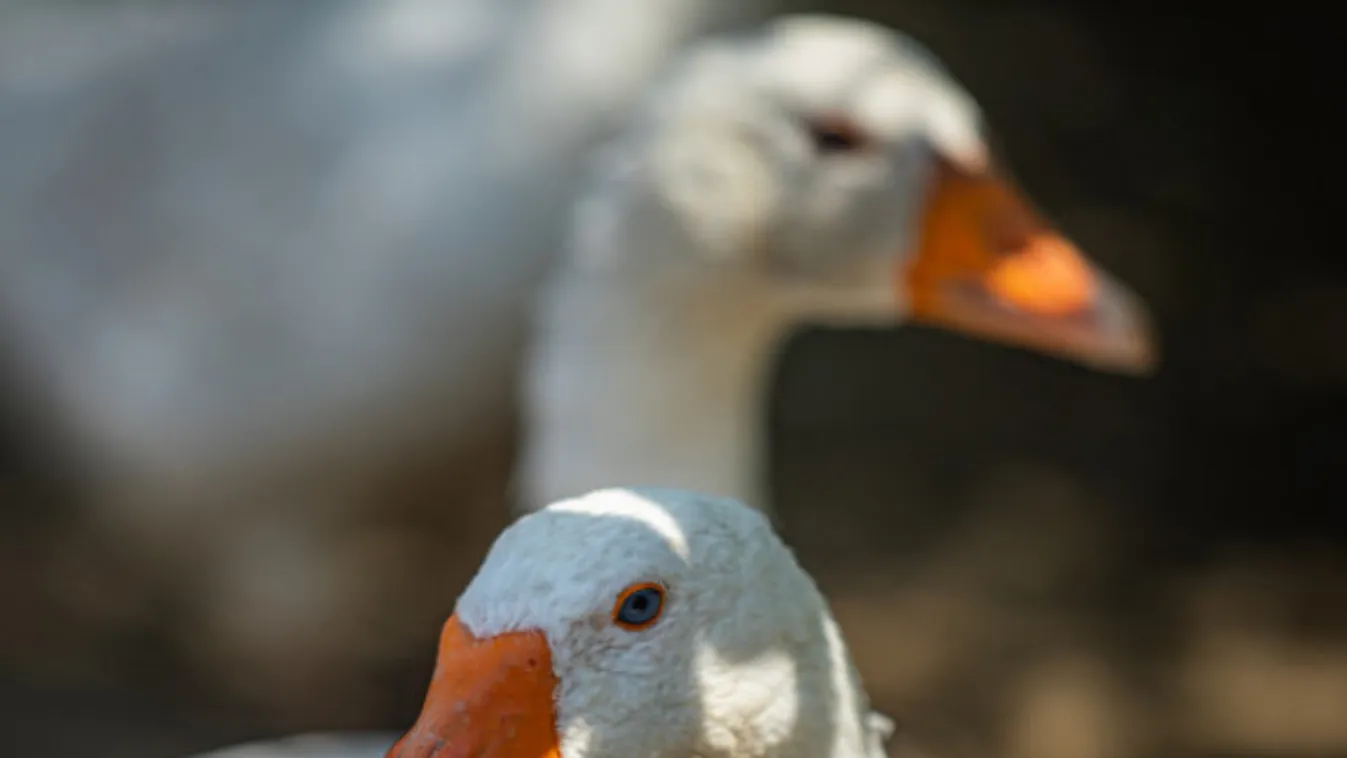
[
  {"x": 633, "y": 622},
  {"x": 262, "y": 265},
  {"x": 822, "y": 170},
  {"x": 232, "y": 236}
]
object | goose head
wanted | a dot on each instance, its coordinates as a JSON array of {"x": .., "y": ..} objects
[
  {"x": 839, "y": 175},
  {"x": 642, "y": 622}
]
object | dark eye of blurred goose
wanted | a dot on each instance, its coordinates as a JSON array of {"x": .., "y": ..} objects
[{"x": 837, "y": 134}]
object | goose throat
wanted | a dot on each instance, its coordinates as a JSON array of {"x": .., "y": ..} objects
[{"x": 660, "y": 385}]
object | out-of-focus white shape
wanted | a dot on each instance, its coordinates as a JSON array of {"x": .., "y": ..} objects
[
  {"x": 402, "y": 36},
  {"x": 253, "y": 253},
  {"x": 283, "y": 234}
]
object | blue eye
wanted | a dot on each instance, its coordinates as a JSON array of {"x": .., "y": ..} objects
[{"x": 639, "y": 606}]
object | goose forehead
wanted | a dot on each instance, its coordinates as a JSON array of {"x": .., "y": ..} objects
[
  {"x": 573, "y": 558},
  {"x": 815, "y": 65},
  {"x": 887, "y": 81},
  {"x": 819, "y": 62}
]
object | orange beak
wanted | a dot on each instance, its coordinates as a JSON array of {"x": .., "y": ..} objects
[
  {"x": 488, "y": 698},
  {"x": 990, "y": 266}
]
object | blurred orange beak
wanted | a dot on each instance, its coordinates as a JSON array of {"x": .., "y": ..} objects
[
  {"x": 989, "y": 266},
  {"x": 488, "y": 698}
]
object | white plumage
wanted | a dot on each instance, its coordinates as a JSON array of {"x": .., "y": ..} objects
[
  {"x": 256, "y": 257},
  {"x": 239, "y": 240}
]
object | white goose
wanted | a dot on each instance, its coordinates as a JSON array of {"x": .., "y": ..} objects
[
  {"x": 634, "y": 622},
  {"x": 822, "y": 170}
]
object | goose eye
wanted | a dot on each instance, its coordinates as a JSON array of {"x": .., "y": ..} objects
[
  {"x": 639, "y": 606},
  {"x": 837, "y": 134}
]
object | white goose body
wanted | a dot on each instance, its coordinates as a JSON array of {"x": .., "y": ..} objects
[
  {"x": 821, "y": 170},
  {"x": 297, "y": 203}
]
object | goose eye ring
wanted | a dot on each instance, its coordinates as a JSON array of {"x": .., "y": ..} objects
[{"x": 639, "y": 606}]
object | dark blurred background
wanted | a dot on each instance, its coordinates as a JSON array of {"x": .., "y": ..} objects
[{"x": 1048, "y": 561}]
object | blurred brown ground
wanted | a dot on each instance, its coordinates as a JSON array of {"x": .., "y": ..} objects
[{"x": 1030, "y": 560}]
